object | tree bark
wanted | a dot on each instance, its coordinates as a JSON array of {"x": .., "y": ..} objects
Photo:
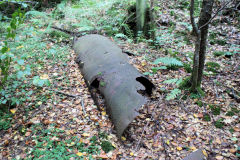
[
  {"x": 194, "y": 25},
  {"x": 205, "y": 16},
  {"x": 201, "y": 31},
  {"x": 141, "y": 10},
  {"x": 194, "y": 77}
]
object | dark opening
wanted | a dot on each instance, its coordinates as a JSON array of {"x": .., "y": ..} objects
[
  {"x": 147, "y": 84},
  {"x": 95, "y": 83}
]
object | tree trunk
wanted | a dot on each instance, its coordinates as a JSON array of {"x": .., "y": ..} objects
[
  {"x": 201, "y": 43},
  {"x": 205, "y": 16},
  {"x": 194, "y": 77},
  {"x": 141, "y": 10},
  {"x": 194, "y": 26}
]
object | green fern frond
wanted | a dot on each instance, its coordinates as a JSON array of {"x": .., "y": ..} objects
[
  {"x": 169, "y": 61},
  {"x": 173, "y": 94},
  {"x": 36, "y": 14},
  {"x": 174, "y": 80},
  {"x": 171, "y": 81}
]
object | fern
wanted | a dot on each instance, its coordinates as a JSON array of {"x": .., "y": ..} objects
[
  {"x": 36, "y": 14},
  {"x": 169, "y": 61},
  {"x": 173, "y": 94},
  {"x": 172, "y": 81}
]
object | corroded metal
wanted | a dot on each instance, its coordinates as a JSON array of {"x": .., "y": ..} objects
[{"x": 105, "y": 67}]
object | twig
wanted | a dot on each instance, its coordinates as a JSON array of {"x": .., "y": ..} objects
[
  {"x": 64, "y": 30},
  {"x": 220, "y": 9},
  {"x": 83, "y": 107},
  {"x": 145, "y": 127},
  {"x": 76, "y": 34},
  {"x": 65, "y": 94}
]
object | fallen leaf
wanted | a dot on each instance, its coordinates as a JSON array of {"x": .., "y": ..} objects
[
  {"x": 179, "y": 148},
  {"x": 28, "y": 134},
  {"x": 123, "y": 138},
  {"x": 103, "y": 156},
  {"x": 19, "y": 47},
  {"x": 193, "y": 148},
  {"x": 80, "y": 154},
  {"x": 232, "y": 150},
  {"x": 44, "y": 76},
  {"x": 204, "y": 153},
  {"x": 85, "y": 134},
  {"x": 13, "y": 110},
  {"x": 219, "y": 157}
]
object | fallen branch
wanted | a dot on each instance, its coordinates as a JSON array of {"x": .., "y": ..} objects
[
  {"x": 77, "y": 34},
  {"x": 65, "y": 94}
]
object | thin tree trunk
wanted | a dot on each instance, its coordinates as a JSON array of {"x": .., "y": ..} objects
[
  {"x": 194, "y": 26},
  {"x": 205, "y": 16},
  {"x": 194, "y": 77},
  {"x": 141, "y": 10}
]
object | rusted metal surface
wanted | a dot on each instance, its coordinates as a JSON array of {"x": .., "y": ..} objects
[
  {"x": 197, "y": 155},
  {"x": 105, "y": 67}
]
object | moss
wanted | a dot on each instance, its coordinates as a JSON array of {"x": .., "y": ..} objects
[
  {"x": 206, "y": 117},
  {"x": 57, "y": 35},
  {"x": 199, "y": 103},
  {"x": 235, "y": 110},
  {"x": 219, "y": 123},
  {"x": 186, "y": 83},
  {"x": 218, "y": 53},
  {"x": 107, "y": 146},
  {"x": 187, "y": 67},
  {"x": 200, "y": 92},
  {"x": 215, "y": 109},
  {"x": 230, "y": 113}
]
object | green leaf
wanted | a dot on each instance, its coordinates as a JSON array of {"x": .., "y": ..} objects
[
  {"x": 147, "y": 73},
  {"x": 234, "y": 139},
  {"x": 20, "y": 74},
  {"x": 174, "y": 93},
  {"x": 169, "y": 61},
  {"x": 170, "y": 81},
  {"x": 20, "y": 62}
]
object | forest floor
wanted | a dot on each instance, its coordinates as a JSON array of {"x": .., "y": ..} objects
[{"x": 68, "y": 125}]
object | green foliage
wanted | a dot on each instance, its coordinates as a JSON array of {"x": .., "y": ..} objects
[
  {"x": 230, "y": 113},
  {"x": 173, "y": 81},
  {"x": 52, "y": 143},
  {"x": 219, "y": 123},
  {"x": 36, "y": 14},
  {"x": 206, "y": 117},
  {"x": 187, "y": 67},
  {"x": 5, "y": 119},
  {"x": 212, "y": 66},
  {"x": 169, "y": 62},
  {"x": 5, "y": 56},
  {"x": 106, "y": 146},
  {"x": 215, "y": 109},
  {"x": 186, "y": 83},
  {"x": 173, "y": 94},
  {"x": 218, "y": 53},
  {"x": 199, "y": 103},
  {"x": 59, "y": 36},
  {"x": 37, "y": 81}
]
